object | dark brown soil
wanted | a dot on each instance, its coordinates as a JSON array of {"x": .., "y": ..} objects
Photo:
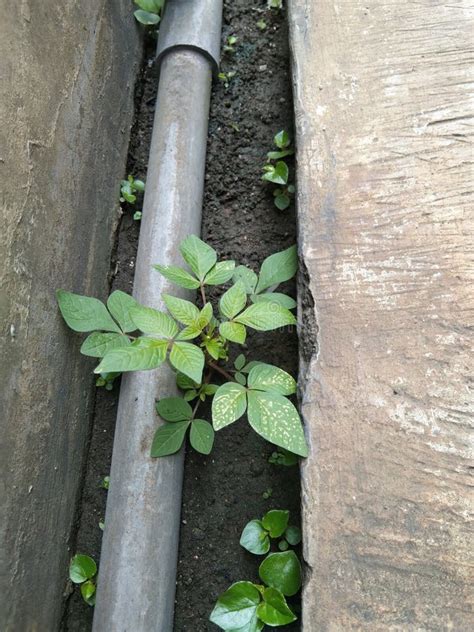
[{"x": 224, "y": 491}]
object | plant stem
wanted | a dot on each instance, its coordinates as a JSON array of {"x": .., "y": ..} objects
[
  {"x": 219, "y": 369},
  {"x": 203, "y": 295}
]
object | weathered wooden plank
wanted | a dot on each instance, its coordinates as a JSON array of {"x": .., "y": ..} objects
[{"x": 384, "y": 127}]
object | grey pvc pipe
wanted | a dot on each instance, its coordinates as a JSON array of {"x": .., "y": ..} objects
[{"x": 137, "y": 570}]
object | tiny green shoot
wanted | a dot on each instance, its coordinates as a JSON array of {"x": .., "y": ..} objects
[
  {"x": 149, "y": 11},
  {"x": 229, "y": 47},
  {"x": 82, "y": 572}
]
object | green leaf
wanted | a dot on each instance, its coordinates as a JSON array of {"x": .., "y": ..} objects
[
  {"x": 188, "y": 359},
  {"x": 240, "y": 378},
  {"x": 220, "y": 273},
  {"x": 146, "y": 18},
  {"x": 120, "y": 306},
  {"x": 254, "y": 625},
  {"x": 277, "y": 268},
  {"x": 236, "y": 607},
  {"x": 269, "y": 378},
  {"x": 188, "y": 333},
  {"x": 169, "y": 438},
  {"x": 282, "y": 571},
  {"x": 239, "y": 362},
  {"x": 283, "y": 545},
  {"x": 81, "y": 568},
  {"x": 213, "y": 348},
  {"x": 265, "y": 316},
  {"x": 151, "y": 321},
  {"x": 235, "y": 332},
  {"x": 184, "y": 382},
  {"x": 84, "y": 313},
  {"x": 174, "y": 409},
  {"x": 178, "y": 276},
  {"x": 282, "y": 202},
  {"x": 199, "y": 256},
  {"x": 202, "y": 436},
  {"x": 274, "y": 297},
  {"x": 277, "y": 173},
  {"x": 234, "y": 300},
  {"x": 274, "y": 610},
  {"x": 228, "y": 405},
  {"x": 141, "y": 355},
  {"x": 281, "y": 139},
  {"x": 249, "y": 366},
  {"x": 184, "y": 311},
  {"x": 275, "y": 418},
  {"x": 152, "y": 6},
  {"x": 205, "y": 316},
  {"x": 254, "y": 538},
  {"x": 278, "y": 155},
  {"x": 275, "y": 522},
  {"x": 97, "y": 344},
  {"x": 88, "y": 592},
  {"x": 293, "y": 535},
  {"x": 247, "y": 276}
]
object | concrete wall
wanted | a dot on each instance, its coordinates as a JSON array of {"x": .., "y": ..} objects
[
  {"x": 67, "y": 74},
  {"x": 383, "y": 98}
]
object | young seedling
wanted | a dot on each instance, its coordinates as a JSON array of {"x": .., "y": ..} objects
[
  {"x": 129, "y": 188},
  {"x": 226, "y": 77},
  {"x": 149, "y": 12},
  {"x": 107, "y": 380},
  {"x": 257, "y": 534},
  {"x": 105, "y": 482},
  {"x": 82, "y": 572},
  {"x": 275, "y": 4},
  {"x": 231, "y": 42},
  {"x": 262, "y": 25},
  {"x": 249, "y": 606},
  {"x": 283, "y": 457},
  {"x": 196, "y": 344},
  {"x": 278, "y": 172}
]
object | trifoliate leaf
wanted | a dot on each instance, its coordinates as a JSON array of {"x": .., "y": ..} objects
[
  {"x": 97, "y": 344},
  {"x": 84, "y": 313},
  {"x": 228, "y": 405}
]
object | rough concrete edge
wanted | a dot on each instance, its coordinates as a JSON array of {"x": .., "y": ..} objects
[{"x": 308, "y": 327}]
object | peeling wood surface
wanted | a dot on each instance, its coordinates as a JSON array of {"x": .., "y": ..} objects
[{"x": 383, "y": 98}]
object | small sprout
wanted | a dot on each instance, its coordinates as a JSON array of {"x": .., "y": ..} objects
[
  {"x": 226, "y": 77},
  {"x": 137, "y": 216},
  {"x": 128, "y": 189},
  {"x": 262, "y": 25},
  {"x": 149, "y": 12},
  {"x": 275, "y": 4},
  {"x": 283, "y": 545},
  {"x": 283, "y": 457},
  {"x": 231, "y": 42},
  {"x": 101, "y": 526},
  {"x": 107, "y": 380},
  {"x": 105, "y": 482},
  {"x": 277, "y": 174},
  {"x": 234, "y": 126},
  {"x": 267, "y": 493},
  {"x": 82, "y": 571}
]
